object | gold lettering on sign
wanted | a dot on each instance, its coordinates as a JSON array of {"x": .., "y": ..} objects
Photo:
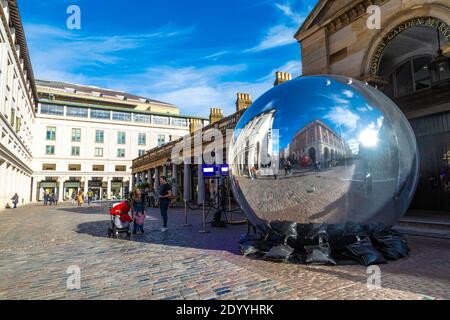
[{"x": 438, "y": 24}]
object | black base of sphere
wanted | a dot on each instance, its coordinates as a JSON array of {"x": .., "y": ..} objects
[{"x": 326, "y": 244}]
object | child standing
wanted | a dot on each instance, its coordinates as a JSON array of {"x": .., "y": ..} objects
[{"x": 138, "y": 209}]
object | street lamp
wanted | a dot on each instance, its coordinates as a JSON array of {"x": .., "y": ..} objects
[{"x": 440, "y": 66}]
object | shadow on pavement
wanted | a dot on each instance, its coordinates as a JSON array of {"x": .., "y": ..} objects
[{"x": 218, "y": 239}]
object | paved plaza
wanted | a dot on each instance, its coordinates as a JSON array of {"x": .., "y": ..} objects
[{"x": 40, "y": 243}]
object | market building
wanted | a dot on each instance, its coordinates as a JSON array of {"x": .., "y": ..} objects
[
  {"x": 407, "y": 59},
  {"x": 18, "y": 99},
  {"x": 188, "y": 178},
  {"x": 86, "y": 137}
]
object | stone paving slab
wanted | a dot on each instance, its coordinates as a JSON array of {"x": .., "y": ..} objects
[{"x": 38, "y": 245}]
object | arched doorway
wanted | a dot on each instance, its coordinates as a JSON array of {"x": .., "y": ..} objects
[
  {"x": 405, "y": 63},
  {"x": 312, "y": 155},
  {"x": 418, "y": 85}
]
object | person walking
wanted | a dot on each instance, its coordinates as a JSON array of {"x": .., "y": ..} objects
[
  {"x": 45, "y": 198},
  {"x": 15, "y": 200},
  {"x": 80, "y": 198},
  {"x": 165, "y": 195},
  {"x": 74, "y": 197},
  {"x": 90, "y": 194}
]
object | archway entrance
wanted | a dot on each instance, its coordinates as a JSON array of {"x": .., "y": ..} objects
[
  {"x": 312, "y": 155},
  {"x": 418, "y": 85}
]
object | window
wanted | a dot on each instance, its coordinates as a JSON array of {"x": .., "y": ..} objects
[
  {"x": 98, "y": 168},
  {"x": 121, "y": 168},
  {"x": 12, "y": 116},
  {"x": 100, "y": 114},
  {"x": 142, "y": 118},
  {"x": 76, "y": 135},
  {"x": 99, "y": 136},
  {"x": 161, "y": 139},
  {"x": 160, "y": 120},
  {"x": 77, "y": 112},
  {"x": 74, "y": 167},
  {"x": 141, "y": 153},
  {"x": 121, "y": 116},
  {"x": 48, "y": 167},
  {"x": 142, "y": 140},
  {"x": 52, "y": 109},
  {"x": 121, "y": 137},
  {"x": 411, "y": 76},
  {"x": 179, "y": 122},
  {"x": 120, "y": 153},
  {"x": 51, "y": 134},
  {"x": 18, "y": 124},
  {"x": 75, "y": 152},
  {"x": 50, "y": 150},
  {"x": 99, "y": 152}
]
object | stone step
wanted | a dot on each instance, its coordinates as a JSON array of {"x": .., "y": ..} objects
[
  {"x": 424, "y": 232},
  {"x": 434, "y": 223}
]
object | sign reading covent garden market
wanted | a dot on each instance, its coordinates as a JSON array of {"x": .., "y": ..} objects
[{"x": 421, "y": 21}]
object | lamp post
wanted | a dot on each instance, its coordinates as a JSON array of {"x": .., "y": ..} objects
[{"x": 440, "y": 66}]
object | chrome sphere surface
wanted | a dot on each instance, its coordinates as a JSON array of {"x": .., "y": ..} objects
[{"x": 323, "y": 149}]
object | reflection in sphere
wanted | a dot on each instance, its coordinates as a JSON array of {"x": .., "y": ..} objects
[{"x": 323, "y": 149}]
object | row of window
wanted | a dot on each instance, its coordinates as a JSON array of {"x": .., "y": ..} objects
[
  {"x": 100, "y": 136},
  {"x": 77, "y": 167},
  {"x": 75, "y": 152},
  {"x": 58, "y": 110}
]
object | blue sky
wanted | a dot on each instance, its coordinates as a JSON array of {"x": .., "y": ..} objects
[{"x": 196, "y": 54}]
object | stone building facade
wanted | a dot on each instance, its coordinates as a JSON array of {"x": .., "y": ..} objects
[
  {"x": 18, "y": 99},
  {"x": 407, "y": 58}
]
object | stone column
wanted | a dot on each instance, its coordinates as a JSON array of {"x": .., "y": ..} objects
[
  {"x": 156, "y": 181},
  {"x": 133, "y": 180},
  {"x": 61, "y": 189},
  {"x": 108, "y": 191},
  {"x": 175, "y": 180},
  {"x": 86, "y": 184},
  {"x": 187, "y": 182},
  {"x": 165, "y": 171},
  {"x": 149, "y": 178}
]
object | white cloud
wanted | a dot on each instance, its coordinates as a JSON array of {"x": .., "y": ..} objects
[
  {"x": 348, "y": 93},
  {"x": 343, "y": 117},
  {"x": 287, "y": 10},
  {"x": 277, "y": 36}
]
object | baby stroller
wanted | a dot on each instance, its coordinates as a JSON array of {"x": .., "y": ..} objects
[{"x": 120, "y": 220}]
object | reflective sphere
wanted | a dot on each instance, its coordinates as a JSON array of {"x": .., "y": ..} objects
[{"x": 323, "y": 149}]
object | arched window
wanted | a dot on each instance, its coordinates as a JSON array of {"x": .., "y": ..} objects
[{"x": 409, "y": 76}]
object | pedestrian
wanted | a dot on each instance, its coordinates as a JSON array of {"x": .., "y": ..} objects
[
  {"x": 15, "y": 200},
  {"x": 165, "y": 195},
  {"x": 90, "y": 195},
  {"x": 138, "y": 210},
  {"x": 52, "y": 199},
  {"x": 55, "y": 199},
  {"x": 45, "y": 198},
  {"x": 80, "y": 198},
  {"x": 289, "y": 167},
  {"x": 74, "y": 197}
]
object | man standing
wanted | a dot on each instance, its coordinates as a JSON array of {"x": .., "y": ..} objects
[
  {"x": 165, "y": 195},
  {"x": 15, "y": 200}
]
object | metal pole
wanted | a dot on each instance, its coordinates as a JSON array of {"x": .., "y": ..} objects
[
  {"x": 186, "y": 224},
  {"x": 204, "y": 221}
]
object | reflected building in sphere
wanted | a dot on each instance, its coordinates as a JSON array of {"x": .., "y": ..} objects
[{"x": 318, "y": 142}]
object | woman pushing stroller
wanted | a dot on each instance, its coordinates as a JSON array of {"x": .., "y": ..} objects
[{"x": 138, "y": 211}]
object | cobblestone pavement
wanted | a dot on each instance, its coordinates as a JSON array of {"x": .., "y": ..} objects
[
  {"x": 334, "y": 195},
  {"x": 39, "y": 244}
]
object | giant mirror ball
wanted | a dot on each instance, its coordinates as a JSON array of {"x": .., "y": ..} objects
[{"x": 323, "y": 149}]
